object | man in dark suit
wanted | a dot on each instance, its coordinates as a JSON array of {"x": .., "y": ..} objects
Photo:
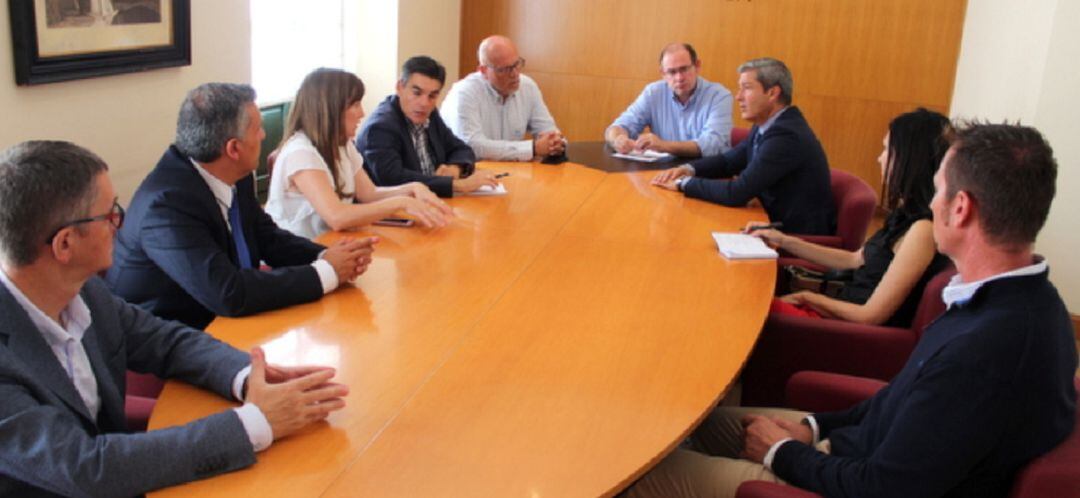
[
  {"x": 66, "y": 343},
  {"x": 405, "y": 139},
  {"x": 988, "y": 388},
  {"x": 781, "y": 162},
  {"x": 196, "y": 235}
]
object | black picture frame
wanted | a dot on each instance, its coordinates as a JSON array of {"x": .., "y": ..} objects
[{"x": 31, "y": 69}]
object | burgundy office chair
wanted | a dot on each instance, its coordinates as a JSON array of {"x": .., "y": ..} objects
[
  {"x": 739, "y": 134},
  {"x": 855, "y": 203},
  {"x": 789, "y": 344},
  {"x": 1053, "y": 474},
  {"x": 140, "y": 396}
]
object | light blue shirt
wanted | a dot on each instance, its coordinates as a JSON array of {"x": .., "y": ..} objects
[{"x": 705, "y": 118}]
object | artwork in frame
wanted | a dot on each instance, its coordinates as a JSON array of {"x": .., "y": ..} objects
[{"x": 60, "y": 40}]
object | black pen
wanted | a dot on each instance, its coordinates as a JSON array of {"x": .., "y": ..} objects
[
  {"x": 773, "y": 225},
  {"x": 500, "y": 175}
]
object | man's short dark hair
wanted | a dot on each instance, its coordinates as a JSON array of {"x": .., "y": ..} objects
[
  {"x": 671, "y": 48},
  {"x": 424, "y": 65},
  {"x": 43, "y": 184},
  {"x": 211, "y": 115},
  {"x": 1010, "y": 172},
  {"x": 770, "y": 73}
]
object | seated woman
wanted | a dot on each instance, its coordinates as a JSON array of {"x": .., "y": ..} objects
[
  {"x": 318, "y": 173},
  {"x": 891, "y": 270}
]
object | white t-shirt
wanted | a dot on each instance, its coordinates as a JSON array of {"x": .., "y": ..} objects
[{"x": 286, "y": 205}]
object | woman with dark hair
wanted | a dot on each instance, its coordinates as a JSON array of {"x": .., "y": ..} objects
[
  {"x": 894, "y": 265},
  {"x": 318, "y": 176}
]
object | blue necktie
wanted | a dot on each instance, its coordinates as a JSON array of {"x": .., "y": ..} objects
[
  {"x": 242, "y": 253},
  {"x": 754, "y": 144}
]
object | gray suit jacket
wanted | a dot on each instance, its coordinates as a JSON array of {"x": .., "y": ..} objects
[{"x": 49, "y": 444}]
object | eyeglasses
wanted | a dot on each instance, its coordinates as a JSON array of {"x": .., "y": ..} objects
[
  {"x": 677, "y": 70},
  {"x": 516, "y": 66},
  {"x": 115, "y": 216}
]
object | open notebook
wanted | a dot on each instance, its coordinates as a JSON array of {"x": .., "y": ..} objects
[
  {"x": 743, "y": 246},
  {"x": 645, "y": 156}
]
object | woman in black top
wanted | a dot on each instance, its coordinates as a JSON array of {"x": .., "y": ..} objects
[{"x": 892, "y": 268}]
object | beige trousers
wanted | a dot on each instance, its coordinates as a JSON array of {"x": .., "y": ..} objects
[{"x": 708, "y": 463}]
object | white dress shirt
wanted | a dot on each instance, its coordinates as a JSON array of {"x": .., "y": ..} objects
[{"x": 493, "y": 126}]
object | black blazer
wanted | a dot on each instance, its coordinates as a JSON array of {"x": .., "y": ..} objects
[
  {"x": 788, "y": 172},
  {"x": 391, "y": 159},
  {"x": 175, "y": 256}
]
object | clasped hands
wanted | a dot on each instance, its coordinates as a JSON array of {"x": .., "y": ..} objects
[
  {"x": 350, "y": 257},
  {"x": 549, "y": 143},
  {"x": 646, "y": 141},
  {"x": 292, "y": 398},
  {"x": 760, "y": 433}
]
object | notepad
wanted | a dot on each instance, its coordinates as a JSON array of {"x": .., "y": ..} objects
[
  {"x": 500, "y": 189},
  {"x": 743, "y": 246},
  {"x": 645, "y": 156}
]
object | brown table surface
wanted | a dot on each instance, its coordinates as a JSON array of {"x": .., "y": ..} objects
[
  {"x": 598, "y": 155},
  {"x": 556, "y": 341}
]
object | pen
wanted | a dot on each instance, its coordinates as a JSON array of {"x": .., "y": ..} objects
[
  {"x": 500, "y": 175},
  {"x": 774, "y": 225}
]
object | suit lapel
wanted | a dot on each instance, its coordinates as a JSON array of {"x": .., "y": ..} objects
[
  {"x": 209, "y": 204},
  {"x": 26, "y": 343}
]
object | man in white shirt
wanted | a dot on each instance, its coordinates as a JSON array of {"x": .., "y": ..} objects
[
  {"x": 493, "y": 108},
  {"x": 66, "y": 344}
]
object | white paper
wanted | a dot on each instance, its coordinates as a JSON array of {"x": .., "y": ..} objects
[
  {"x": 743, "y": 246},
  {"x": 500, "y": 189},
  {"x": 645, "y": 156}
]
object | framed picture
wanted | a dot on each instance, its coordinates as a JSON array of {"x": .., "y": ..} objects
[{"x": 59, "y": 40}]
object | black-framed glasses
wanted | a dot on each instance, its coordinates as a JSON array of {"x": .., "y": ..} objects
[
  {"x": 115, "y": 217},
  {"x": 516, "y": 66}
]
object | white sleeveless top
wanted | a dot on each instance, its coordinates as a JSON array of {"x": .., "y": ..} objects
[{"x": 286, "y": 205}]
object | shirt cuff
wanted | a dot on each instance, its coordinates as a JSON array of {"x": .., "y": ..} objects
[
  {"x": 772, "y": 452},
  {"x": 256, "y": 426},
  {"x": 327, "y": 275},
  {"x": 238, "y": 383},
  {"x": 693, "y": 172},
  {"x": 812, "y": 422},
  {"x": 522, "y": 150}
]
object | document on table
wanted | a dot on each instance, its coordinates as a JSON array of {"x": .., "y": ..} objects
[
  {"x": 500, "y": 189},
  {"x": 645, "y": 156},
  {"x": 743, "y": 246}
]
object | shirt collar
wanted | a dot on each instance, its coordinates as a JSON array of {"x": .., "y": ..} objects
[
  {"x": 222, "y": 191},
  {"x": 769, "y": 122},
  {"x": 414, "y": 128},
  {"x": 493, "y": 93},
  {"x": 959, "y": 293},
  {"x": 698, "y": 83},
  {"x": 76, "y": 316}
]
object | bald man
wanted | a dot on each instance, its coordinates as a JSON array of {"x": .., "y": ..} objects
[{"x": 493, "y": 108}]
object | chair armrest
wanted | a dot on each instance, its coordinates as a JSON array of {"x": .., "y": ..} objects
[
  {"x": 827, "y": 392},
  {"x": 789, "y": 344},
  {"x": 824, "y": 240},
  {"x": 764, "y": 489}
]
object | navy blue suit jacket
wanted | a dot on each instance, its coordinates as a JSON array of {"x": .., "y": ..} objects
[
  {"x": 785, "y": 168},
  {"x": 175, "y": 256},
  {"x": 389, "y": 155},
  {"x": 51, "y": 445},
  {"x": 988, "y": 388}
]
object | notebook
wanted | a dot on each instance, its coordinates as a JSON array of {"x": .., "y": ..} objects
[
  {"x": 645, "y": 156},
  {"x": 743, "y": 246}
]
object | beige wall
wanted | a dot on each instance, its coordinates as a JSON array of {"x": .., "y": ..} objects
[
  {"x": 389, "y": 32},
  {"x": 127, "y": 119},
  {"x": 1018, "y": 62}
]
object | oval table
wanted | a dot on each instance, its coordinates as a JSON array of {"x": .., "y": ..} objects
[{"x": 553, "y": 342}]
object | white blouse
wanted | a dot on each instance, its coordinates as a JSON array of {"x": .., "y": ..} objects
[{"x": 286, "y": 204}]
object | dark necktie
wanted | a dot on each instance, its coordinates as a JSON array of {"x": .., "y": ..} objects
[
  {"x": 754, "y": 143},
  {"x": 242, "y": 253}
]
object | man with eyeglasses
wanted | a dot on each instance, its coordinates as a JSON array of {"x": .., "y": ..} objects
[
  {"x": 196, "y": 239},
  {"x": 687, "y": 115},
  {"x": 493, "y": 108},
  {"x": 66, "y": 343}
]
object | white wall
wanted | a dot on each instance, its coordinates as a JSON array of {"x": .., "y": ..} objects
[
  {"x": 127, "y": 119},
  {"x": 1018, "y": 61},
  {"x": 432, "y": 28}
]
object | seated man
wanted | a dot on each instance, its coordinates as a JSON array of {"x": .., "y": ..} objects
[
  {"x": 405, "y": 140},
  {"x": 988, "y": 388},
  {"x": 67, "y": 342},
  {"x": 196, "y": 235},
  {"x": 781, "y": 163},
  {"x": 686, "y": 115},
  {"x": 493, "y": 108}
]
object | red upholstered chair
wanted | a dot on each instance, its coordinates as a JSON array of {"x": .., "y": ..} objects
[
  {"x": 140, "y": 396},
  {"x": 789, "y": 344},
  {"x": 739, "y": 134},
  {"x": 855, "y": 203},
  {"x": 1056, "y": 473}
]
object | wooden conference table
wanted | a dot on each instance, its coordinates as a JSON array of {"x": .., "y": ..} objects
[{"x": 557, "y": 341}]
